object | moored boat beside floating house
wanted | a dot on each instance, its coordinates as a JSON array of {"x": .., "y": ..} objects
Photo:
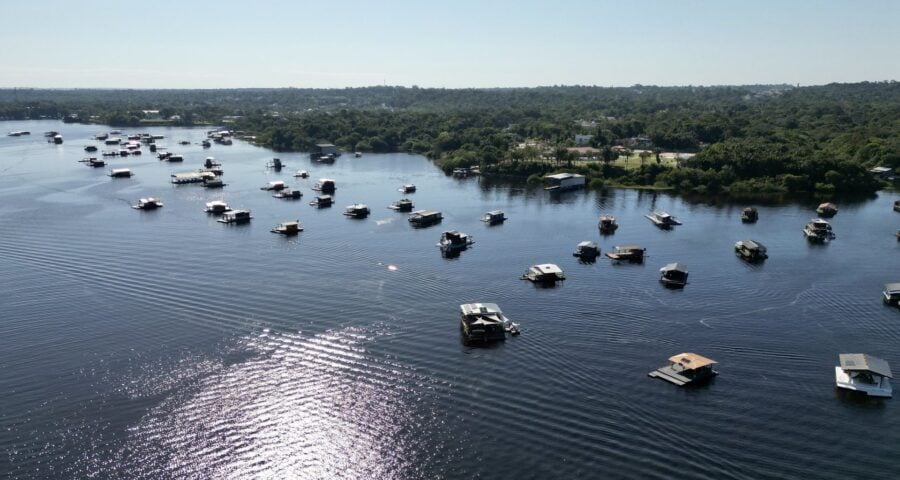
[
  {"x": 607, "y": 224},
  {"x": 673, "y": 275},
  {"x": 749, "y": 215},
  {"x": 662, "y": 219},
  {"x": 485, "y": 322},
  {"x": 288, "y": 228},
  {"x": 686, "y": 369},
  {"x": 494, "y": 217},
  {"x": 402, "y": 205},
  {"x": 827, "y": 209},
  {"x": 864, "y": 373},
  {"x": 751, "y": 250},
  {"x": 544, "y": 273},
  {"x": 628, "y": 253}
]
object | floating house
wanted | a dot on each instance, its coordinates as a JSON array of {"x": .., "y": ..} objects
[
  {"x": 673, "y": 275},
  {"x": 544, "y": 273},
  {"x": 494, "y": 217},
  {"x": 485, "y": 322},
  {"x": 751, "y": 250},
  {"x": 864, "y": 373},
  {"x": 629, "y": 253},
  {"x": 424, "y": 218},
  {"x": 749, "y": 215},
  {"x": 564, "y": 181}
]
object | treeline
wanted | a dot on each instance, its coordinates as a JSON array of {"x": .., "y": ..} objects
[{"x": 746, "y": 139}]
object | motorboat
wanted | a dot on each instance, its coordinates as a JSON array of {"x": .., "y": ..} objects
[
  {"x": 485, "y": 322},
  {"x": 544, "y": 273},
  {"x": 149, "y": 203},
  {"x": 494, "y": 217},
  {"x": 402, "y": 205},
  {"x": 686, "y": 369},
  {"x": 288, "y": 228},
  {"x": 357, "y": 210},
  {"x": 864, "y": 373},
  {"x": 662, "y": 219},
  {"x": 607, "y": 224},
  {"x": 673, "y": 275},
  {"x": 751, "y": 250}
]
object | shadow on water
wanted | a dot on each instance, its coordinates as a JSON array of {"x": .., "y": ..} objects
[{"x": 859, "y": 400}]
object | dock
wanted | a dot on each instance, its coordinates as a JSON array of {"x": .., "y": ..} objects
[{"x": 670, "y": 375}]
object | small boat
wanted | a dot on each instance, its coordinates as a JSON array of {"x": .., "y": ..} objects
[
  {"x": 357, "y": 210},
  {"x": 864, "y": 373},
  {"x": 289, "y": 194},
  {"x": 493, "y": 217},
  {"x": 630, "y": 253},
  {"x": 673, "y": 275},
  {"x": 148, "y": 204},
  {"x": 891, "y": 294},
  {"x": 424, "y": 218},
  {"x": 897, "y": 205},
  {"x": 211, "y": 162},
  {"x": 325, "y": 185},
  {"x": 322, "y": 201},
  {"x": 749, "y": 215},
  {"x": 485, "y": 322},
  {"x": 818, "y": 231},
  {"x": 607, "y": 224},
  {"x": 408, "y": 188},
  {"x": 235, "y": 216},
  {"x": 357, "y": 154},
  {"x": 58, "y": 139},
  {"x": 275, "y": 164},
  {"x": 206, "y": 144},
  {"x": 686, "y": 369},
  {"x": 213, "y": 183},
  {"x": 751, "y": 250},
  {"x": 217, "y": 207},
  {"x": 662, "y": 219},
  {"x": 90, "y": 148},
  {"x": 288, "y": 228},
  {"x": 301, "y": 174},
  {"x": 587, "y": 250},
  {"x": 274, "y": 185},
  {"x": 120, "y": 173},
  {"x": 455, "y": 240},
  {"x": 544, "y": 273},
  {"x": 402, "y": 205},
  {"x": 460, "y": 172},
  {"x": 827, "y": 209}
]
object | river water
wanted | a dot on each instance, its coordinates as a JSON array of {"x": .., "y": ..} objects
[{"x": 161, "y": 344}]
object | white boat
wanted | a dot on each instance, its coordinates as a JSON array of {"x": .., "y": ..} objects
[
  {"x": 662, "y": 219},
  {"x": 891, "y": 294},
  {"x": 288, "y": 228},
  {"x": 357, "y": 210},
  {"x": 864, "y": 373},
  {"x": 235, "y": 216},
  {"x": 216, "y": 207},
  {"x": 818, "y": 231},
  {"x": 408, "y": 188},
  {"x": 149, "y": 203},
  {"x": 485, "y": 322},
  {"x": 544, "y": 273},
  {"x": 455, "y": 240},
  {"x": 494, "y": 217}
]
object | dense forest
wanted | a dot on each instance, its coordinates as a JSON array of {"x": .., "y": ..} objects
[{"x": 748, "y": 139}]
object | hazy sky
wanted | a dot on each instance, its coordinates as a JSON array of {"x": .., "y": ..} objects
[{"x": 459, "y": 43}]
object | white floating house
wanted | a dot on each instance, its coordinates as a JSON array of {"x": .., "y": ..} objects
[{"x": 864, "y": 373}]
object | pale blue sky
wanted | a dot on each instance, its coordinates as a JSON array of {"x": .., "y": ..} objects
[{"x": 462, "y": 43}]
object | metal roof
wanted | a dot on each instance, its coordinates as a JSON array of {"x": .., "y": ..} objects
[
  {"x": 548, "y": 268},
  {"x": 674, "y": 266},
  {"x": 864, "y": 362},
  {"x": 691, "y": 361},
  {"x": 563, "y": 176},
  {"x": 482, "y": 308},
  {"x": 892, "y": 287}
]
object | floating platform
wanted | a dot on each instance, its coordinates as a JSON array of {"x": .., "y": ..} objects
[{"x": 670, "y": 375}]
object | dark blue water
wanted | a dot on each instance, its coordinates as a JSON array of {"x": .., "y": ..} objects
[{"x": 162, "y": 344}]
